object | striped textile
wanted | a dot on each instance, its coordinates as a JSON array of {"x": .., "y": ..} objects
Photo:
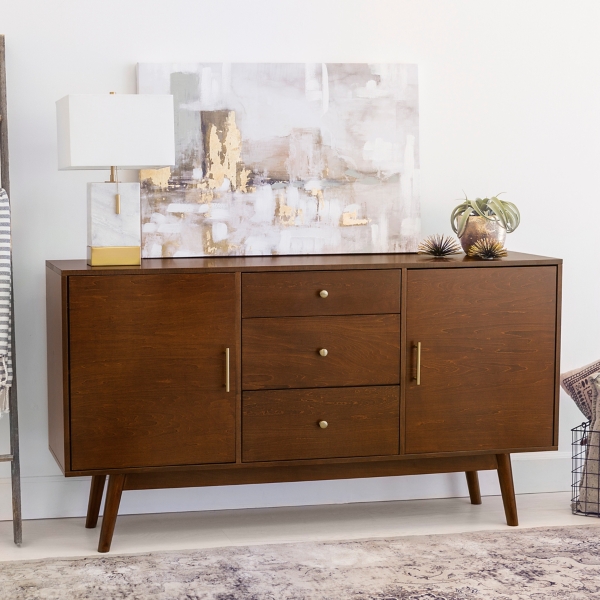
[{"x": 6, "y": 371}]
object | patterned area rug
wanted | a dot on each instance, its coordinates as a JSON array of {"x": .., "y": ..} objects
[{"x": 540, "y": 564}]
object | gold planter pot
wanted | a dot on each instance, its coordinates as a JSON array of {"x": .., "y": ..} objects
[{"x": 479, "y": 228}]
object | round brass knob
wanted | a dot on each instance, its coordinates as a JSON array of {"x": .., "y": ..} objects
[
  {"x": 323, "y": 293},
  {"x": 323, "y": 352},
  {"x": 323, "y": 424}
]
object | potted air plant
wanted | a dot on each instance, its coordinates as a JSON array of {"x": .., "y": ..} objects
[{"x": 484, "y": 218}]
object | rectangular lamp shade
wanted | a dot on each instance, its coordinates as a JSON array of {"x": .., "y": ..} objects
[{"x": 129, "y": 131}]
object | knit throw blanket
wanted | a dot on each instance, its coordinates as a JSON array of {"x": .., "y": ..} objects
[{"x": 6, "y": 371}]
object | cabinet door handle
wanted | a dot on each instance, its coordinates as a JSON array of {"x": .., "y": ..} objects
[
  {"x": 227, "y": 388},
  {"x": 418, "y": 363}
]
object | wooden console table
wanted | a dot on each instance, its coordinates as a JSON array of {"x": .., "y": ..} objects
[{"x": 223, "y": 371}]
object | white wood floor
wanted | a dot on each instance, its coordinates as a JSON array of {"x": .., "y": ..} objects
[{"x": 177, "y": 531}]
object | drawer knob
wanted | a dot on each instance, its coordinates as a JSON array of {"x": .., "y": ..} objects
[
  {"x": 323, "y": 424},
  {"x": 323, "y": 293},
  {"x": 323, "y": 352}
]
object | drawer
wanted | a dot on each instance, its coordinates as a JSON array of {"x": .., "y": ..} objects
[
  {"x": 285, "y": 352},
  {"x": 299, "y": 294},
  {"x": 284, "y": 424}
]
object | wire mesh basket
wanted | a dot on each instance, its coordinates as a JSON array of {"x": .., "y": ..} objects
[{"x": 585, "y": 486}]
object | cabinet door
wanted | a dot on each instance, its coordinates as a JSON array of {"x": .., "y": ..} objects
[
  {"x": 147, "y": 370},
  {"x": 488, "y": 340}
]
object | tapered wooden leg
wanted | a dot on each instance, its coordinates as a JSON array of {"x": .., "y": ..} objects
[
  {"x": 96, "y": 491},
  {"x": 473, "y": 483},
  {"x": 507, "y": 488},
  {"x": 111, "y": 509}
]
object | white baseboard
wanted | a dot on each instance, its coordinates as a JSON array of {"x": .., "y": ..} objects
[{"x": 47, "y": 497}]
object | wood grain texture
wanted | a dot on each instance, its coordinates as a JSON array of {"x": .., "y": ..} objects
[
  {"x": 507, "y": 488},
  {"x": 116, "y": 484},
  {"x": 141, "y": 353},
  {"x": 308, "y": 472},
  {"x": 284, "y": 424},
  {"x": 559, "y": 279},
  {"x": 474, "y": 490},
  {"x": 57, "y": 360},
  {"x": 403, "y": 361},
  {"x": 294, "y": 463},
  {"x": 284, "y": 352},
  {"x": 337, "y": 262},
  {"x": 96, "y": 491},
  {"x": 488, "y": 359},
  {"x": 238, "y": 375},
  {"x": 148, "y": 370},
  {"x": 296, "y": 294}
]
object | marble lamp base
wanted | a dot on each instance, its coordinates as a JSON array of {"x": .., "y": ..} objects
[{"x": 114, "y": 239}]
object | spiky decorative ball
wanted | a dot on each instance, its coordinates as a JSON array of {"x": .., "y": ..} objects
[
  {"x": 439, "y": 245},
  {"x": 487, "y": 249}
]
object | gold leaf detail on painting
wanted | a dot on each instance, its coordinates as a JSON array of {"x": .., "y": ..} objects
[
  {"x": 158, "y": 177},
  {"x": 223, "y": 154},
  {"x": 351, "y": 218},
  {"x": 243, "y": 176},
  {"x": 287, "y": 214},
  {"x": 216, "y": 171},
  {"x": 218, "y": 248}
]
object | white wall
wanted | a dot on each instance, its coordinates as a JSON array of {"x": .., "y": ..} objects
[{"x": 509, "y": 101}]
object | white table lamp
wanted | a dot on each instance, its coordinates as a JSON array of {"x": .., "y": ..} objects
[{"x": 110, "y": 131}]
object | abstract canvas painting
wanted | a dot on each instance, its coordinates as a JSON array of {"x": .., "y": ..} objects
[{"x": 280, "y": 159}]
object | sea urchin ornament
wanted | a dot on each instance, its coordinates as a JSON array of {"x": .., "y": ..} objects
[
  {"x": 487, "y": 249},
  {"x": 439, "y": 245}
]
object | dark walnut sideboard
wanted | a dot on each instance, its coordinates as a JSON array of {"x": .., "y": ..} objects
[{"x": 223, "y": 371}]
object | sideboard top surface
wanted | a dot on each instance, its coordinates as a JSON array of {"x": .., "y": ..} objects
[{"x": 298, "y": 263}]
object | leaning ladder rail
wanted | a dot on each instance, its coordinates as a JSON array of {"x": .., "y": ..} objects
[{"x": 13, "y": 457}]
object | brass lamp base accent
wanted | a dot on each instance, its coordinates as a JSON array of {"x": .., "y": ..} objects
[{"x": 113, "y": 256}]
